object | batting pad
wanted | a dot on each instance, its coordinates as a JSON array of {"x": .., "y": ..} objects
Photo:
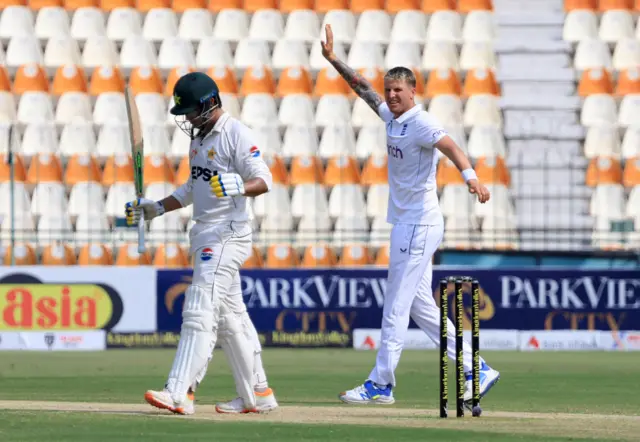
[
  {"x": 240, "y": 354},
  {"x": 260, "y": 377},
  {"x": 197, "y": 340}
]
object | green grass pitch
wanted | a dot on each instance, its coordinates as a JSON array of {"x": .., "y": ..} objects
[{"x": 549, "y": 396}]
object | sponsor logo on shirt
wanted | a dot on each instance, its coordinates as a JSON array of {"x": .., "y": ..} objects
[
  {"x": 394, "y": 151},
  {"x": 205, "y": 173},
  {"x": 206, "y": 254},
  {"x": 254, "y": 151},
  {"x": 404, "y": 130}
]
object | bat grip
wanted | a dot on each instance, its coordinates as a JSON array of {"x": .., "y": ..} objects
[{"x": 141, "y": 247}]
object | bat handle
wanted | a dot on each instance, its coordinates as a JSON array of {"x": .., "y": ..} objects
[{"x": 141, "y": 247}]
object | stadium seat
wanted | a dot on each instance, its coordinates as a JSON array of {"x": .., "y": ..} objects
[
  {"x": 499, "y": 233},
  {"x": 128, "y": 255},
  {"x": 106, "y": 79},
  {"x": 332, "y": 109},
  {"x": 318, "y": 255},
  {"x": 118, "y": 168},
  {"x": 39, "y": 138},
  {"x": 21, "y": 201},
  {"x": 607, "y": 200},
  {"x": 275, "y": 228},
  {"x": 306, "y": 169},
  {"x": 468, "y": 6},
  {"x": 156, "y": 139},
  {"x": 294, "y": 5},
  {"x": 257, "y": 80},
  {"x": 456, "y": 200},
  {"x": 49, "y": 198},
  {"x": 592, "y": 53},
  {"x": 117, "y": 196},
  {"x": 317, "y": 61},
  {"x": 69, "y": 79},
  {"x": 278, "y": 169},
  {"x": 486, "y": 142},
  {"x": 123, "y": 23},
  {"x": 402, "y": 53},
  {"x": 350, "y": 230},
  {"x": 329, "y": 82},
  {"x": 363, "y": 115},
  {"x": 61, "y": 50},
  {"x": 296, "y": 109},
  {"x": 346, "y": 199},
  {"x": 570, "y": 5},
  {"x": 99, "y": 51},
  {"x": 373, "y": 25},
  {"x": 477, "y": 55},
  {"x": 254, "y": 261},
  {"x": 299, "y": 140},
  {"x": 137, "y": 51},
  {"x": 24, "y": 255},
  {"x": 86, "y": 197},
  {"x": 631, "y": 143},
  {"x": 480, "y": 82},
  {"x": 309, "y": 198},
  {"x": 160, "y": 23},
  {"x": 479, "y": 26},
  {"x": 82, "y": 168},
  {"x": 302, "y": 25},
  {"x": 231, "y": 25},
  {"x": 365, "y": 54},
  {"x": 58, "y": 255},
  {"x": 493, "y": 170},
  {"x": 460, "y": 232},
  {"x": 377, "y": 198},
  {"x": 196, "y": 24},
  {"x": 87, "y": 21},
  {"x": 51, "y": 21},
  {"x": 290, "y": 53},
  {"x": 616, "y": 25},
  {"x": 266, "y": 24},
  {"x": 251, "y": 52},
  {"x": 632, "y": 208},
  {"x": 16, "y": 21},
  {"x": 175, "y": 51},
  {"x": 598, "y": 110},
  {"x": 313, "y": 228},
  {"x": 445, "y": 26},
  {"x": 343, "y": 24},
  {"x": 110, "y": 108},
  {"x": 7, "y": 107},
  {"x": 30, "y": 78},
  {"x": 258, "y": 5},
  {"x": 165, "y": 229},
  {"x": 355, "y": 255},
  {"x": 607, "y": 5},
  {"x": 113, "y": 139},
  {"x": 604, "y": 237},
  {"x": 294, "y": 80},
  {"x": 281, "y": 256},
  {"x": 158, "y": 169},
  {"x": 602, "y": 141},
  {"x": 342, "y": 169},
  {"x": 221, "y": 5},
  {"x": 225, "y": 78},
  {"x": 145, "y": 79},
  {"x": 595, "y": 81},
  {"x": 499, "y": 205},
  {"x": 603, "y": 170},
  {"x": 374, "y": 171},
  {"x": 259, "y": 109},
  {"x": 482, "y": 110},
  {"x": 443, "y": 82},
  {"x": 151, "y": 108},
  {"x": 626, "y": 54},
  {"x": 631, "y": 173},
  {"x": 409, "y": 26},
  {"x": 170, "y": 256},
  {"x": 268, "y": 139},
  {"x": 54, "y": 227},
  {"x": 44, "y": 168},
  {"x": 35, "y": 107},
  {"x": 19, "y": 170},
  {"x": 628, "y": 82},
  {"x": 580, "y": 24},
  {"x": 278, "y": 197},
  {"x": 213, "y": 51},
  {"x": 95, "y": 255},
  {"x": 337, "y": 140}
]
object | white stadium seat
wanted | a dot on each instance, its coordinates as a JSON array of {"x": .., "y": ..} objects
[
  {"x": 39, "y": 138},
  {"x": 231, "y": 25},
  {"x": 332, "y": 109},
  {"x": 440, "y": 55},
  {"x": 592, "y": 53},
  {"x": 52, "y": 21},
  {"x": 7, "y": 106},
  {"x": 615, "y": 25},
  {"x": 629, "y": 114},
  {"x": 602, "y": 141},
  {"x": 86, "y": 198},
  {"x": 456, "y": 200},
  {"x": 317, "y": 61},
  {"x": 597, "y": 110},
  {"x": 16, "y": 21},
  {"x": 296, "y": 109},
  {"x": 180, "y": 142},
  {"x": 23, "y": 49},
  {"x": 405, "y": 54},
  {"x": 87, "y": 22},
  {"x": 213, "y": 52},
  {"x": 580, "y": 24},
  {"x": 151, "y": 108},
  {"x": 372, "y": 140},
  {"x": 278, "y": 197},
  {"x": 35, "y": 107},
  {"x": 447, "y": 109},
  {"x": 302, "y": 25},
  {"x": 99, "y": 51},
  {"x": 479, "y": 26},
  {"x": 309, "y": 198},
  {"x": 409, "y": 26},
  {"x": 482, "y": 110},
  {"x": 113, "y": 139},
  {"x": 607, "y": 201},
  {"x": 73, "y": 106},
  {"x": 363, "y": 115},
  {"x": 460, "y": 231},
  {"x": 373, "y": 25},
  {"x": 343, "y": 25},
  {"x": 268, "y": 139},
  {"x": 176, "y": 52},
  {"x": 110, "y": 107},
  {"x": 290, "y": 53},
  {"x": 631, "y": 143},
  {"x": 77, "y": 138},
  {"x": 49, "y": 198},
  {"x": 498, "y": 206},
  {"x": 91, "y": 228},
  {"x": 156, "y": 139},
  {"x": 365, "y": 54},
  {"x": 445, "y": 26},
  {"x": 195, "y": 25},
  {"x": 299, "y": 140},
  {"x": 61, "y": 50},
  {"x": 123, "y": 23},
  {"x": 626, "y": 54},
  {"x": 251, "y": 52},
  {"x": 258, "y": 110},
  {"x": 117, "y": 196},
  {"x": 377, "y": 200},
  {"x": 487, "y": 142},
  {"x": 160, "y": 23},
  {"x": 477, "y": 55},
  {"x": 137, "y": 51},
  {"x": 266, "y": 24},
  {"x": 337, "y": 140},
  {"x": 347, "y": 199}
]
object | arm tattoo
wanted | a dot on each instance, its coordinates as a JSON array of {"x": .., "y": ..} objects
[{"x": 359, "y": 84}]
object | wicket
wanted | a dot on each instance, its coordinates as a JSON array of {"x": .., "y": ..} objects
[{"x": 459, "y": 336}]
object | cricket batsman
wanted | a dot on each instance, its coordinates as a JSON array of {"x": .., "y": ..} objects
[
  {"x": 226, "y": 169},
  {"x": 418, "y": 225}
]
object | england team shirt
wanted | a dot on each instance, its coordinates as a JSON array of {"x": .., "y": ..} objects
[{"x": 412, "y": 163}]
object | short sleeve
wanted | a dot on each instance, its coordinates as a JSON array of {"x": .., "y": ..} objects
[
  {"x": 384, "y": 112},
  {"x": 184, "y": 193},
  {"x": 428, "y": 131},
  {"x": 248, "y": 158}
]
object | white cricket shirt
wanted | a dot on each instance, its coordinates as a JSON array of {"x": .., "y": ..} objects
[
  {"x": 228, "y": 148},
  {"x": 412, "y": 163}
]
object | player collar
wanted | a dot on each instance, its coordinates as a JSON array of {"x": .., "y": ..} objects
[
  {"x": 408, "y": 114},
  {"x": 221, "y": 121}
]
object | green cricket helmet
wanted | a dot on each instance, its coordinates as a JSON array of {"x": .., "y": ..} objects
[{"x": 194, "y": 91}]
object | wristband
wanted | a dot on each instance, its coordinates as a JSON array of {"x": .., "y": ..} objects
[
  {"x": 469, "y": 174},
  {"x": 159, "y": 208}
]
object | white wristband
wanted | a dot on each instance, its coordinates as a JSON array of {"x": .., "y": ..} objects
[
  {"x": 159, "y": 208},
  {"x": 469, "y": 174}
]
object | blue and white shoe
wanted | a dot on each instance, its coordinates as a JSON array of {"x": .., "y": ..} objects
[
  {"x": 488, "y": 378},
  {"x": 368, "y": 393}
]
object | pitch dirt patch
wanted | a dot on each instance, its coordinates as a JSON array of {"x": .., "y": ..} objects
[{"x": 595, "y": 426}]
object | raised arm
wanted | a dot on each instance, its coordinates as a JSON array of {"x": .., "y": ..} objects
[{"x": 357, "y": 82}]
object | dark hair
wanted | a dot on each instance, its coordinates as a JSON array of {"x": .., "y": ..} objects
[{"x": 402, "y": 73}]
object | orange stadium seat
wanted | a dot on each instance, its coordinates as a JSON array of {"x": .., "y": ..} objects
[
  {"x": 128, "y": 255},
  {"x": 82, "y": 168},
  {"x": 448, "y": 173},
  {"x": 373, "y": 76},
  {"x": 174, "y": 76},
  {"x": 256, "y": 5},
  {"x": 604, "y": 170},
  {"x": 36, "y": 5},
  {"x": 225, "y": 78},
  {"x": 95, "y": 255},
  {"x": 431, "y": 6},
  {"x": 294, "y": 80},
  {"x": 493, "y": 170},
  {"x": 382, "y": 257},
  {"x": 277, "y": 168},
  {"x": 480, "y": 81},
  {"x": 58, "y": 255},
  {"x": 466, "y": 6},
  {"x": 44, "y": 168},
  {"x": 69, "y": 79},
  {"x": 443, "y": 82},
  {"x": 329, "y": 82},
  {"x": 5, "y": 82},
  {"x": 145, "y": 79},
  {"x": 573, "y": 5},
  {"x": 595, "y": 81},
  {"x": 219, "y": 5},
  {"x": 179, "y": 6},
  {"x": 147, "y": 5},
  {"x": 281, "y": 256},
  {"x": 110, "y": 5},
  {"x": 318, "y": 255},
  {"x": 258, "y": 80},
  {"x": 419, "y": 84},
  {"x": 7, "y": 3},
  {"x": 358, "y": 6},
  {"x": 375, "y": 171},
  {"x": 25, "y": 255},
  {"x": 628, "y": 82},
  {"x": 106, "y": 79},
  {"x": 19, "y": 171},
  {"x": 355, "y": 256},
  {"x": 324, "y": 6},
  {"x": 254, "y": 261},
  {"x": 184, "y": 171},
  {"x": 158, "y": 169},
  {"x": 611, "y": 5},
  {"x": 631, "y": 174},
  {"x": 342, "y": 170},
  {"x": 171, "y": 256},
  {"x": 292, "y": 5},
  {"x": 72, "y": 5},
  {"x": 30, "y": 77},
  {"x": 118, "y": 169},
  {"x": 395, "y": 6},
  {"x": 306, "y": 169}
]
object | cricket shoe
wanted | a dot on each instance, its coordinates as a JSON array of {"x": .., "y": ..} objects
[
  {"x": 368, "y": 393},
  {"x": 265, "y": 402},
  {"x": 162, "y": 399},
  {"x": 488, "y": 378}
]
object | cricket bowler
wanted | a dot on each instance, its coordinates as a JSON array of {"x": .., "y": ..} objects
[
  {"x": 413, "y": 136},
  {"x": 226, "y": 169}
]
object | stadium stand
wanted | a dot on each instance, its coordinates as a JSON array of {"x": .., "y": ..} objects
[{"x": 544, "y": 96}]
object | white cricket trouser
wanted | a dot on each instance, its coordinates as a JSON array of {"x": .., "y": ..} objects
[{"x": 409, "y": 294}]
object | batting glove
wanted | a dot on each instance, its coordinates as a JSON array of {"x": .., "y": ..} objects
[
  {"x": 133, "y": 208},
  {"x": 227, "y": 184}
]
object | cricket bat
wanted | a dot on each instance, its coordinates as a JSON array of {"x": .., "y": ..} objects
[{"x": 137, "y": 153}]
